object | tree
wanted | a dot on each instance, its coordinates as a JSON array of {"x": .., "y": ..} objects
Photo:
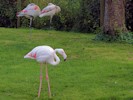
[
  {"x": 8, "y": 13},
  {"x": 113, "y": 22},
  {"x": 114, "y": 17},
  {"x": 88, "y": 18},
  {"x": 129, "y": 15},
  {"x": 102, "y": 9},
  {"x": 18, "y": 9}
]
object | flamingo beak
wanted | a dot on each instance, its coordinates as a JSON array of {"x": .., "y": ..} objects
[
  {"x": 64, "y": 59},
  {"x": 17, "y": 14}
]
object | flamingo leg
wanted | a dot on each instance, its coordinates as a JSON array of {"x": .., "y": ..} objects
[
  {"x": 47, "y": 79},
  {"x": 31, "y": 19},
  {"x": 40, "y": 86},
  {"x": 30, "y": 26},
  {"x": 51, "y": 21}
]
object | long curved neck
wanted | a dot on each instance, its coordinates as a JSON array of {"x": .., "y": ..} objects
[{"x": 56, "y": 59}]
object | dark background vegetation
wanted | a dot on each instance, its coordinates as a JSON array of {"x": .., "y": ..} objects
[{"x": 76, "y": 15}]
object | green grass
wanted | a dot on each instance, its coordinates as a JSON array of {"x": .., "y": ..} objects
[{"x": 93, "y": 70}]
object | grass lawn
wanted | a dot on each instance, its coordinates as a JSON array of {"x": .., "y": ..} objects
[{"x": 93, "y": 71}]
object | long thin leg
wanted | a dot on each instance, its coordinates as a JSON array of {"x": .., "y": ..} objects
[
  {"x": 31, "y": 19},
  {"x": 47, "y": 78},
  {"x": 40, "y": 86},
  {"x": 30, "y": 26},
  {"x": 51, "y": 21}
]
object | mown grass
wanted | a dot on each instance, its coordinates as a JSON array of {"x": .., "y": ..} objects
[{"x": 93, "y": 71}]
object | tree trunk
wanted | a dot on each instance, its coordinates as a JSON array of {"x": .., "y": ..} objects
[
  {"x": 102, "y": 9},
  {"x": 18, "y": 9},
  {"x": 114, "y": 17}
]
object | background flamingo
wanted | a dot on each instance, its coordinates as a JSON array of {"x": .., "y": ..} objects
[
  {"x": 45, "y": 54},
  {"x": 50, "y": 10},
  {"x": 30, "y": 12}
]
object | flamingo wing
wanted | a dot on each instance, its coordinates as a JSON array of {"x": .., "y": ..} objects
[
  {"x": 50, "y": 10},
  {"x": 30, "y": 10},
  {"x": 40, "y": 53},
  {"x": 32, "y": 54}
]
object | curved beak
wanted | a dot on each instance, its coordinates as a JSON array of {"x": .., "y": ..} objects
[
  {"x": 17, "y": 14},
  {"x": 64, "y": 59}
]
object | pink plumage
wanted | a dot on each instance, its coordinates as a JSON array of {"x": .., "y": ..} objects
[
  {"x": 50, "y": 10},
  {"x": 45, "y": 54},
  {"x": 30, "y": 12}
]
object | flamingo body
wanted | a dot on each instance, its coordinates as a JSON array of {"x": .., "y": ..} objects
[
  {"x": 50, "y": 10},
  {"x": 31, "y": 10},
  {"x": 45, "y": 54}
]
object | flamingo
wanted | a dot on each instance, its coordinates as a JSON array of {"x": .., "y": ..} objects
[
  {"x": 50, "y": 10},
  {"x": 45, "y": 54},
  {"x": 30, "y": 12}
]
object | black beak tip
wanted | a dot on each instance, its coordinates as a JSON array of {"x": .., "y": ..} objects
[{"x": 64, "y": 59}]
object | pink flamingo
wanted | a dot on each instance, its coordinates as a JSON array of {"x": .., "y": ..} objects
[
  {"x": 45, "y": 54},
  {"x": 30, "y": 12},
  {"x": 50, "y": 10}
]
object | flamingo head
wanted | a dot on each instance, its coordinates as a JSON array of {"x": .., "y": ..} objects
[
  {"x": 21, "y": 13},
  {"x": 58, "y": 9},
  {"x": 50, "y": 4},
  {"x": 62, "y": 52}
]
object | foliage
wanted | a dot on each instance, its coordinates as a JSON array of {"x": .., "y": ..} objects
[
  {"x": 120, "y": 37},
  {"x": 93, "y": 70},
  {"x": 8, "y": 13},
  {"x": 129, "y": 14},
  {"x": 126, "y": 37},
  {"x": 88, "y": 19},
  {"x": 75, "y": 15},
  {"x": 62, "y": 21}
]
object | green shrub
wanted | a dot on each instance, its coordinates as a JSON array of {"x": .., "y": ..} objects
[
  {"x": 8, "y": 13},
  {"x": 121, "y": 37}
]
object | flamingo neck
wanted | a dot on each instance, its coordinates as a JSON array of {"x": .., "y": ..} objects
[{"x": 56, "y": 60}]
